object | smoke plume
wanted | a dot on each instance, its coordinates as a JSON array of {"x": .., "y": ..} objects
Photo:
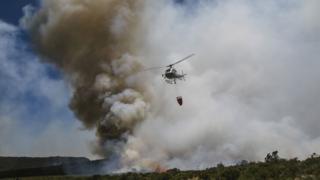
[
  {"x": 251, "y": 88},
  {"x": 90, "y": 42}
]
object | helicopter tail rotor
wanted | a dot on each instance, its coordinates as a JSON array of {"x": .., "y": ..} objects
[{"x": 183, "y": 75}]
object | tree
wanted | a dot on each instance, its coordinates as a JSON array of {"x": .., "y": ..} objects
[{"x": 273, "y": 157}]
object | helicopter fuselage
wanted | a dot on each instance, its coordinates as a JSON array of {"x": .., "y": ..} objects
[{"x": 171, "y": 75}]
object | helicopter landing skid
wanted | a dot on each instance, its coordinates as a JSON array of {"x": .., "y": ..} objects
[{"x": 170, "y": 81}]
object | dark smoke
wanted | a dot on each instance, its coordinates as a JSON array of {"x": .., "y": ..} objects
[{"x": 90, "y": 41}]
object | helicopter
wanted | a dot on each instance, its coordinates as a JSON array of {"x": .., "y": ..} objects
[{"x": 171, "y": 75}]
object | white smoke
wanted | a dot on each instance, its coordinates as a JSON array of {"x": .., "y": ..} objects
[{"x": 251, "y": 88}]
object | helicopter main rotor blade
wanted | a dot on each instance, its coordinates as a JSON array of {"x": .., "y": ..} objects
[
  {"x": 160, "y": 67},
  {"x": 181, "y": 60},
  {"x": 153, "y": 68}
]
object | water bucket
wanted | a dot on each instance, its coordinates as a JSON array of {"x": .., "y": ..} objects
[{"x": 179, "y": 100}]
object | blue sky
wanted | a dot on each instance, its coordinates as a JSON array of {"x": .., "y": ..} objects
[
  {"x": 11, "y": 11},
  {"x": 34, "y": 116},
  {"x": 36, "y": 106}
]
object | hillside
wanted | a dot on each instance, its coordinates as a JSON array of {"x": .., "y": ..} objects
[
  {"x": 42, "y": 166},
  {"x": 272, "y": 168},
  {"x": 11, "y": 163}
]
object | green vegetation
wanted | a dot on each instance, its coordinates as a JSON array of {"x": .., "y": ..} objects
[{"x": 273, "y": 168}]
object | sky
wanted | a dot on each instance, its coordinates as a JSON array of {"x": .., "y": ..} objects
[
  {"x": 252, "y": 87},
  {"x": 34, "y": 116},
  {"x": 11, "y": 11}
]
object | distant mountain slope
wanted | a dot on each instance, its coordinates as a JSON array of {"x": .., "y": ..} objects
[{"x": 13, "y": 163}]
